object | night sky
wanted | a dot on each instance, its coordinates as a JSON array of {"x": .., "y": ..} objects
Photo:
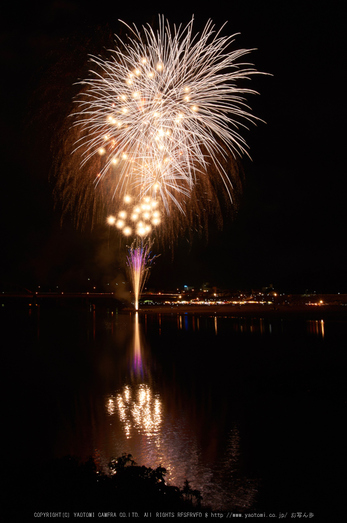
[{"x": 289, "y": 226}]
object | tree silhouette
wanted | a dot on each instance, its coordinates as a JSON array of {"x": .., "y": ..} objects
[
  {"x": 189, "y": 494},
  {"x": 69, "y": 485}
]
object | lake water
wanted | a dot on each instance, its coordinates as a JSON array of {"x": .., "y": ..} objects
[{"x": 250, "y": 410}]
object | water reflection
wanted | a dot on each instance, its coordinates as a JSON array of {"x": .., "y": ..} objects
[
  {"x": 138, "y": 410},
  {"x": 141, "y": 412},
  {"x": 243, "y": 325},
  {"x": 214, "y": 399},
  {"x": 316, "y": 327},
  {"x": 150, "y": 417}
]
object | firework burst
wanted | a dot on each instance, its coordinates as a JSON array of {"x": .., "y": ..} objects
[
  {"x": 156, "y": 135},
  {"x": 161, "y": 119}
]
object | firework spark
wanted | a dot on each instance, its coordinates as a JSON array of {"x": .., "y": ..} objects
[
  {"x": 162, "y": 116},
  {"x": 139, "y": 219}
]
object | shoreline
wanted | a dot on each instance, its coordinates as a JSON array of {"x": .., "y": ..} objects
[{"x": 278, "y": 311}]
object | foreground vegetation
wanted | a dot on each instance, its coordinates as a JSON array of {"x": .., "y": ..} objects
[{"x": 68, "y": 485}]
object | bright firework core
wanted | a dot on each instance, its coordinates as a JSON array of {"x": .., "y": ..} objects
[{"x": 137, "y": 219}]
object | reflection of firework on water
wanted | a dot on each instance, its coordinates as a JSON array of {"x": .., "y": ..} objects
[
  {"x": 160, "y": 118},
  {"x": 139, "y": 260},
  {"x": 139, "y": 410}
]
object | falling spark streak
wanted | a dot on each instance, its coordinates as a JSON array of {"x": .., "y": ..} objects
[{"x": 164, "y": 111}]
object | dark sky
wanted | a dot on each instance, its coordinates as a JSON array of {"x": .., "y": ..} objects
[{"x": 290, "y": 226}]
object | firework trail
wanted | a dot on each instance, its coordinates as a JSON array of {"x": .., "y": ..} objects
[{"x": 139, "y": 260}]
